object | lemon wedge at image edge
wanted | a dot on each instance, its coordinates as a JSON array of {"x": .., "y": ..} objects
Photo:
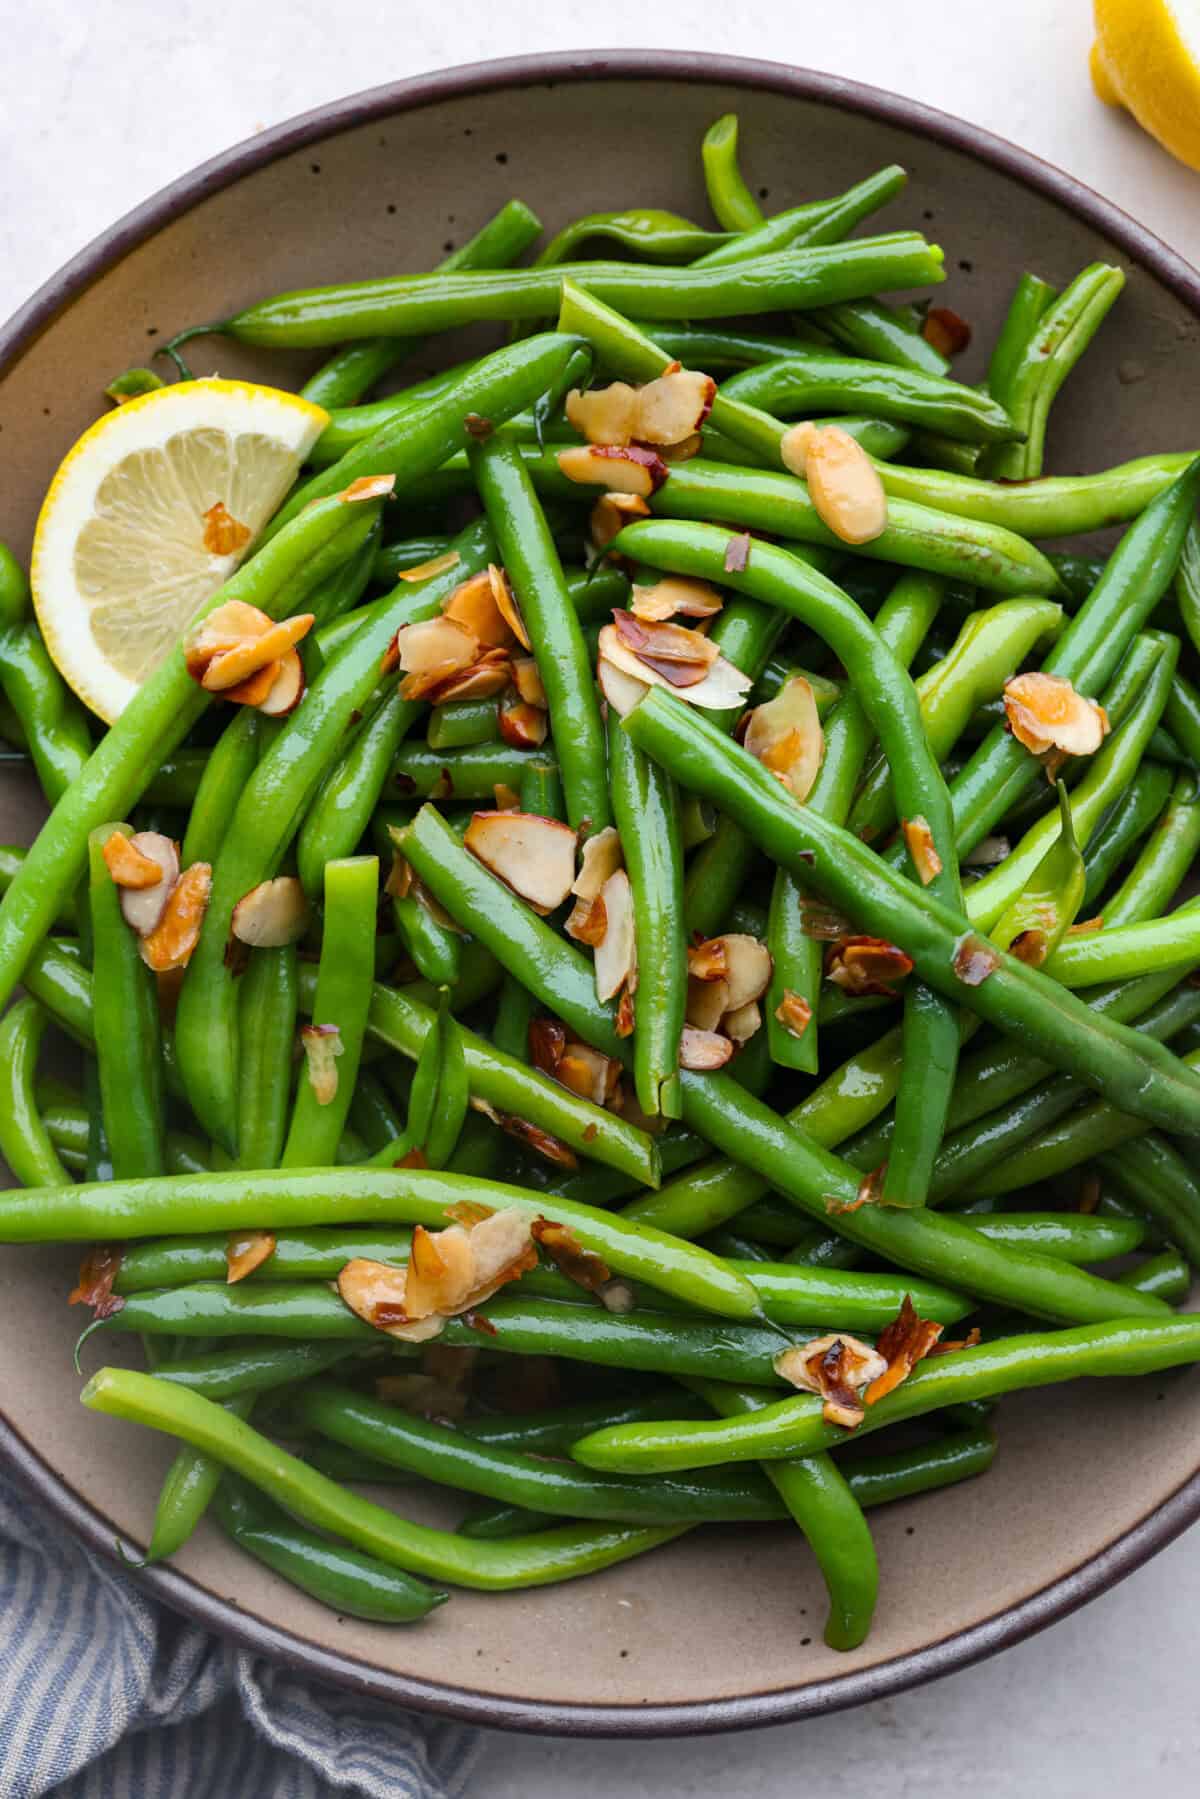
[
  {"x": 149, "y": 514},
  {"x": 1146, "y": 58}
]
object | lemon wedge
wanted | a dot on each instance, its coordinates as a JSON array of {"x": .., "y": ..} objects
[
  {"x": 1146, "y": 57},
  {"x": 148, "y": 514}
]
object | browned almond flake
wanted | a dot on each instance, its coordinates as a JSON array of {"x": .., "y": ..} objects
[
  {"x": 322, "y": 1045},
  {"x": 174, "y": 937},
  {"x": 706, "y": 960},
  {"x": 436, "y": 565},
  {"x": 506, "y": 605},
  {"x": 844, "y": 485},
  {"x": 702, "y": 1051},
  {"x": 287, "y": 689},
  {"x": 507, "y": 798},
  {"x": 522, "y": 725},
  {"x": 611, "y": 513},
  {"x": 625, "y": 1014},
  {"x": 255, "y": 688},
  {"x": 785, "y": 735},
  {"x": 368, "y": 487},
  {"x": 904, "y": 1342},
  {"x": 604, "y": 415},
  {"x": 528, "y": 681},
  {"x": 473, "y": 606},
  {"x": 864, "y": 965},
  {"x": 587, "y": 921},
  {"x": 946, "y": 331},
  {"x": 97, "y": 1272},
  {"x": 487, "y": 677},
  {"x": 547, "y": 1043},
  {"x": 675, "y": 596},
  {"x": 631, "y": 468},
  {"x": 129, "y": 865},
  {"x": 919, "y": 838},
  {"x": 671, "y": 409},
  {"x": 794, "y": 1013},
  {"x": 974, "y": 960},
  {"x": 272, "y": 914},
  {"x": 737, "y": 553},
  {"x": 569, "y": 1256},
  {"x": 533, "y": 856},
  {"x": 664, "y": 642},
  {"x": 616, "y": 952},
  {"x": 224, "y": 535},
  {"x": 246, "y": 1251},
  {"x": 1046, "y": 714}
]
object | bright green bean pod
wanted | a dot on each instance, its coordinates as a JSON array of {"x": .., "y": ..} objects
[
  {"x": 52, "y": 721},
  {"x": 470, "y": 774},
  {"x": 459, "y": 724},
  {"x": 1036, "y": 922},
  {"x": 1153, "y": 1174},
  {"x": 269, "y": 811},
  {"x": 252, "y": 1367},
  {"x": 1167, "y": 855},
  {"x": 350, "y": 1583},
  {"x": 1031, "y": 297},
  {"x": 1167, "y": 1275},
  {"x": 1126, "y": 823},
  {"x": 1127, "y": 950},
  {"x": 125, "y": 1023},
  {"x": 268, "y": 1005},
  {"x": 1063, "y": 333},
  {"x": 794, "y": 1427},
  {"x": 733, "y": 205},
  {"x": 646, "y": 809},
  {"x": 1187, "y": 585},
  {"x": 230, "y": 764},
  {"x": 1052, "y": 506},
  {"x": 650, "y": 233},
  {"x": 187, "y": 1492},
  {"x": 822, "y": 1502},
  {"x": 345, "y": 980},
  {"x": 818, "y": 222},
  {"x": 880, "y": 333},
  {"x": 342, "y": 807},
  {"x": 811, "y": 381},
  {"x": 24, "y": 1140},
  {"x": 560, "y": 1554}
]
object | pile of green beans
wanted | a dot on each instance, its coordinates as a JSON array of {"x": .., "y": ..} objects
[{"x": 975, "y": 1001}]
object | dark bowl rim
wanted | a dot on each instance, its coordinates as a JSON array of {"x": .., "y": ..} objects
[{"x": 1128, "y": 1550}]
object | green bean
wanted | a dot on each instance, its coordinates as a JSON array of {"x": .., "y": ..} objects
[
  {"x": 1126, "y": 823},
  {"x": 656, "y": 236},
  {"x": 548, "y": 1556},
  {"x": 1143, "y": 1077},
  {"x": 556, "y": 1428},
  {"x": 1126, "y": 950},
  {"x": 733, "y": 205},
  {"x": 51, "y": 720},
  {"x": 252, "y": 1367},
  {"x": 821, "y": 1500},
  {"x": 126, "y": 1026},
  {"x": 267, "y": 1015},
  {"x": 454, "y": 775},
  {"x": 352, "y": 371},
  {"x": 794, "y": 1427},
  {"x": 433, "y": 946},
  {"x": 818, "y": 222},
  {"x": 1187, "y": 585},
  {"x": 350, "y": 1583},
  {"x": 187, "y": 1492},
  {"x": 372, "y": 1113},
  {"x": 342, "y": 806},
  {"x": 646, "y": 809},
  {"x": 1167, "y": 1275},
  {"x": 1182, "y": 716},
  {"x": 24, "y": 1140},
  {"x": 532, "y": 566},
  {"x": 810, "y": 381},
  {"x": 1052, "y": 506},
  {"x": 1166, "y": 856},
  {"x": 339, "y": 1012},
  {"x": 230, "y": 764},
  {"x": 1158, "y": 1180},
  {"x": 881, "y": 333},
  {"x": 1031, "y": 297},
  {"x": 1063, "y": 332},
  {"x": 460, "y": 724},
  {"x": 268, "y": 813}
]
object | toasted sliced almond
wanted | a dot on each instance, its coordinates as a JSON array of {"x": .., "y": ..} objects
[
  {"x": 220, "y": 631},
  {"x": 747, "y": 968},
  {"x": 322, "y": 1045},
  {"x": 794, "y": 1013},
  {"x": 706, "y": 961},
  {"x": 587, "y": 921},
  {"x": 569, "y": 1256},
  {"x": 503, "y": 1250},
  {"x": 616, "y": 953},
  {"x": 866, "y": 965},
  {"x": 367, "y": 487},
  {"x": 528, "y": 681},
  {"x": 604, "y": 415},
  {"x": 272, "y": 914},
  {"x": 143, "y": 907},
  {"x": 721, "y": 687},
  {"x": 506, "y": 605},
  {"x": 1044, "y": 712},
  {"x": 128, "y": 864},
  {"x": 673, "y": 407},
  {"x": 919, "y": 838},
  {"x": 431, "y": 652},
  {"x": 588, "y": 1073},
  {"x": 611, "y": 513},
  {"x": 486, "y": 678},
  {"x": 437, "y": 565},
  {"x": 441, "y": 1271},
  {"x": 836, "y": 1367},
  {"x": 684, "y": 450},
  {"x": 507, "y": 798},
  {"x": 794, "y": 447},
  {"x": 375, "y": 1291},
  {"x": 522, "y": 725},
  {"x": 287, "y": 689},
  {"x": 676, "y": 596},
  {"x": 600, "y": 857},
  {"x": 661, "y": 642},
  {"x": 253, "y": 653},
  {"x": 707, "y": 1003},
  {"x": 703, "y": 1050},
  {"x": 256, "y": 687},
  {"x": 741, "y": 1025},
  {"x": 630, "y": 469},
  {"x": 905, "y": 1342},
  {"x": 946, "y": 330},
  {"x": 174, "y": 937},
  {"x": 473, "y": 605},
  {"x": 785, "y": 735},
  {"x": 245, "y": 1252},
  {"x": 844, "y": 485},
  {"x": 621, "y": 690},
  {"x": 534, "y": 856}
]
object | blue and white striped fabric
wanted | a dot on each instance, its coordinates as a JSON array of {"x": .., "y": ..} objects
[{"x": 103, "y": 1695}]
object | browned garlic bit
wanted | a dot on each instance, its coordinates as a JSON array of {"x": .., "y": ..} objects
[
  {"x": 905, "y": 1342},
  {"x": 1045, "y": 713},
  {"x": 836, "y": 1368},
  {"x": 322, "y": 1045},
  {"x": 448, "y": 1272},
  {"x": 224, "y": 535},
  {"x": 368, "y": 487},
  {"x": 843, "y": 482},
  {"x": 533, "y": 856},
  {"x": 785, "y": 735},
  {"x": 574, "y": 1065}
]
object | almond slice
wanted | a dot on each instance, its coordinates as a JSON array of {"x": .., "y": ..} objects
[
  {"x": 322, "y": 1045},
  {"x": 287, "y": 689},
  {"x": 432, "y": 651},
  {"x": 702, "y": 1051},
  {"x": 630, "y": 469},
  {"x": 521, "y": 725},
  {"x": 844, "y": 485},
  {"x": 437, "y": 565},
  {"x": 785, "y": 735},
  {"x": 256, "y": 687},
  {"x": 676, "y": 596},
  {"x": 534, "y": 856},
  {"x": 707, "y": 1003},
  {"x": 129, "y": 866},
  {"x": 473, "y": 605},
  {"x": 1044, "y": 712},
  {"x": 600, "y": 857},
  {"x": 441, "y": 1271},
  {"x": 272, "y": 914},
  {"x": 866, "y": 965},
  {"x": 611, "y": 513},
  {"x": 588, "y": 1073},
  {"x": 616, "y": 953},
  {"x": 673, "y": 408},
  {"x": 706, "y": 960},
  {"x": 528, "y": 681},
  {"x": 506, "y": 605},
  {"x": 488, "y": 677},
  {"x": 740, "y": 1025},
  {"x": 143, "y": 907},
  {"x": 794, "y": 447},
  {"x": 368, "y": 487},
  {"x": 919, "y": 838},
  {"x": 604, "y": 415},
  {"x": 620, "y": 690},
  {"x": 245, "y": 1252},
  {"x": 253, "y": 653},
  {"x": 657, "y": 641},
  {"x": 748, "y": 968},
  {"x": 837, "y": 1368},
  {"x": 174, "y": 937},
  {"x": 587, "y": 921},
  {"x": 220, "y": 631},
  {"x": 375, "y": 1291},
  {"x": 722, "y": 686}
]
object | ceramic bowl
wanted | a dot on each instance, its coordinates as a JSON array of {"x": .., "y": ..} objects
[{"x": 722, "y": 1629}]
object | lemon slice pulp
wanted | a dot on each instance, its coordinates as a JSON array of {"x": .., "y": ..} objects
[{"x": 149, "y": 514}]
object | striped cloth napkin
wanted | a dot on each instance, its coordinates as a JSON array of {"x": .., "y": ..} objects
[{"x": 103, "y": 1693}]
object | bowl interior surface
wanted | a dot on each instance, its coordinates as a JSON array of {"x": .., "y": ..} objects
[{"x": 723, "y": 1627}]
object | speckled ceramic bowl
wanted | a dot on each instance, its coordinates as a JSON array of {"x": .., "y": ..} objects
[{"x": 722, "y": 1629}]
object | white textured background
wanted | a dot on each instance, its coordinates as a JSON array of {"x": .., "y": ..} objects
[{"x": 104, "y": 101}]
